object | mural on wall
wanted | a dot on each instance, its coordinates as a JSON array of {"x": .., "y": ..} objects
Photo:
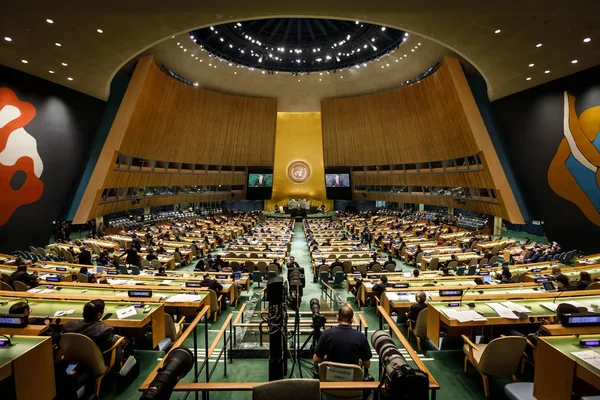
[
  {"x": 20, "y": 163},
  {"x": 574, "y": 173}
]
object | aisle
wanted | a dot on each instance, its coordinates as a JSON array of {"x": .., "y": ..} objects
[{"x": 302, "y": 255}]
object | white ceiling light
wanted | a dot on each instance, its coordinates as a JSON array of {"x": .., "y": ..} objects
[
  {"x": 99, "y": 30},
  {"x": 8, "y": 39},
  {"x": 497, "y": 31},
  {"x": 48, "y": 20},
  {"x": 51, "y": 71},
  {"x": 69, "y": 78},
  {"x": 528, "y": 79},
  {"x": 574, "y": 62},
  {"x": 531, "y": 65},
  {"x": 235, "y": 73},
  {"x": 383, "y": 28},
  {"x": 64, "y": 64},
  {"x": 538, "y": 45},
  {"x": 57, "y": 44},
  {"x": 587, "y": 40},
  {"x": 24, "y": 61},
  {"x": 547, "y": 71}
]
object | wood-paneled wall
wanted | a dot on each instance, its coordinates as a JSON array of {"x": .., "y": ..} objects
[
  {"x": 421, "y": 122},
  {"x": 173, "y": 121}
]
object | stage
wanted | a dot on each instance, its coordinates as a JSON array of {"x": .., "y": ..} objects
[{"x": 299, "y": 213}]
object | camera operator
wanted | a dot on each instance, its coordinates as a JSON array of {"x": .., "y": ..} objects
[
  {"x": 342, "y": 343},
  {"x": 292, "y": 263}
]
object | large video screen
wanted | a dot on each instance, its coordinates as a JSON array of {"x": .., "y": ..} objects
[
  {"x": 337, "y": 180},
  {"x": 260, "y": 180}
]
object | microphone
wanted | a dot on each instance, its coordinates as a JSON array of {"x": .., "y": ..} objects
[
  {"x": 463, "y": 295},
  {"x": 560, "y": 294}
]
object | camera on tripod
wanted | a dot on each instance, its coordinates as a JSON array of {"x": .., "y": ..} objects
[
  {"x": 295, "y": 284},
  {"x": 318, "y": 320},
  {"x": 400, "y": 379}
]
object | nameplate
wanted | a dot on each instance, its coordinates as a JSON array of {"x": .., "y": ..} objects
[
  {"x": 61, "y": 269},
  {"x": 541, "y": 280},
  {"x": 400, "y": 285},
  {"x": 483, "y": 273},
  {"x": 447, "y": 292},
  {"x": 221, "y": 276},
  {"x": 112, "y": 272},
  {"x": 139, "y": 293},
  {"x": 13, "y": 320},
  {"x": 193, "y": 284},
  {"x": 52, "y": 279},
  {"x": 126, "y": 312}
]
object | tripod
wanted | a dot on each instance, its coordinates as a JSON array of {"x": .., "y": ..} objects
[{"x": 313, "y": 338}]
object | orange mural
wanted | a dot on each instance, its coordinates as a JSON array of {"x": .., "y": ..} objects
[
  {"x": 574, "y": 173},
  {"x": 18, "y": 152}
]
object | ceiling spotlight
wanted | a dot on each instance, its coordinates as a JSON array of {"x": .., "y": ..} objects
[
  {"x": 64, "y": 64},
  {"x": 574, "y": 62},
  {"x": 7, "y": 39},
  {"x": 263, "y": 72},
  {"x": 538, "y": 45},
  {"x": 48, "y": 20},
  {"x": 320, "y": 79},
  {"x": 497, "y": 31},
  {"x": 547, "y": 71},
  {"x": 356, "y": 22},
  {"x": 387, "y": 65},
  {"x": 195, "y": 83},
  {"x": 24, "y": 61},
  {"x": 99, "y": 30},
  {"x": 406, "y": 34},
  {"x": 587, "y": 40},
  {"x": 341, "y": 77},
  {"x": 69, "y": 78},
  {"x": 235, "y": 73},
  {"x": 528, "y": 79},
  {"x": 383, "y": 28},
  {"x": 212, "y": 28},
  {"x": 51, "y": 71},
  {"x": 531, "y": 65},
  {"x": 58, "y": 44}
]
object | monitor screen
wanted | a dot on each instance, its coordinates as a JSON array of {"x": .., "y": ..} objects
[
  {"x": 337, "y": 180},
  {"x": 260, "y": 180},
  {"x": 407, "y": 274},
  {"x": 487, "y": 279},
  {"x": 548, "y": 286}
]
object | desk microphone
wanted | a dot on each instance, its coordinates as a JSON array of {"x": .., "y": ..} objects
[
  {"x": 560, "y": 294},
  {"x": 463, "y": 295}
]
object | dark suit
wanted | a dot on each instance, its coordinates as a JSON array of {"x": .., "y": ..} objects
[
  {"x": 23, "y": 276},
  {"x": 293, "y": 265},
  {"x": 212, "y": 284},
  {"x": 85, "y": 258},
  {"x": 379, "y": 288},
  {"x": 414, "y": 311}
]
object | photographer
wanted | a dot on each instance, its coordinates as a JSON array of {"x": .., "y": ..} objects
[{"x": 342, "y": 343}]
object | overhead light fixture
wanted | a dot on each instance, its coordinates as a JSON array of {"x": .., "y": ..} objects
[
  {"x": 48, "y": 20},
  {"x": 69, "y": 78},
  {"x": 547, "y": 71},
  {"x": 341, "y": 77},
  {"x": 320, "y": 79},
  {"x": 24, "y": 61},
  {"x": 587, "y": 40},
  {"x": 235, "y": 72},
  {"x": 51, "y": 71},
  {"x": 58, "y": 44},
  {"x": 8, "y": 39},
  {"x": 497, "y": 31},
  {"x": 99, "y": 30},
  {"x": 531, "y": 65},
  {"x": 574, "y": 62},
  {"x": 64, "y": 64},
  {"x": 538, "y": 45},
  {"x": 383, "y": 28},
  {"x": 195, "y": 83},
  {"x": 528, "y": 79}
]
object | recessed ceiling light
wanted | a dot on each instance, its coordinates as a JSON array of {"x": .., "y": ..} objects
[
  {"x": 497, "y": 31},
  {"x": 538, "y": 45},
  {"x": 51, "y": 71},
  {"x": 64, "y": 64},
  {"x": 574, "y": 62},
  {"x": 341, "y": 77},
  {"x": 298, "y": 80},
  {"x": 99, "y": 30},
  {"x": 24, "y": 61},
  {"x": 8, "y": 39},
  {"x": 547, "y": 71},
  {"x": 48, "y": 20},
  {"x": 235, "y": 73},
  {"x": 587, "y": 40},
  {"x": 528, "y": 79},
  {"x": 58, "y": 44},
  {"x": 69, "y": 78},
  {"x": 383, "y": 28},
  {"x": 531, "y": 65}
]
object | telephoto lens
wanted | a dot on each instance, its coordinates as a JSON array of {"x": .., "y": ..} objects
[
  {"x": 178, "y": 363},
  {"x": 315, "y": 306}
]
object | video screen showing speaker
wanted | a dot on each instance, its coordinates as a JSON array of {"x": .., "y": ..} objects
[
  {"x": 338, "y": 184},
  {"x": 260, "y": 183}
]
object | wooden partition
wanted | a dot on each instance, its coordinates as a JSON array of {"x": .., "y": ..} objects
[
  {"x": 165, "y": 120},
  {"x": 434, "y": 120}
]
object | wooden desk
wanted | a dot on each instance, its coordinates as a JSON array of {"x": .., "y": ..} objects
[
  {"x": 29, "y": 330},
  {"x": 559, "y": 330},
  {"x": 30, "y": 362},
  {"x": 557, "y": 370}
]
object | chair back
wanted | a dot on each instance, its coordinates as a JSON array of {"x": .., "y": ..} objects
[
  {"x": 177, "y": 258},
  {"x": 78, "y": 348},
  {"x": 327, "y": 373},
  {"x": 155, "y": 264},
  {"x": 123, "y": 270},
  {"x": 495, "y": 251},
  {"x": 324, "y": 268},
  {"x": 194, "y": 252},
  {"x": 253, "y": 255},
  {"x": 262, "y": 267},
  {"x": 68, "y": 256},
  {"x": 324, "y": 276},
  {"x": 256, "y": 276},
  {"x": 361, "y": 268},
  {"x": 20, "y": 286},
  {"x": 355, "y": 255},
  {"x": 234, "y": 265},
  {"x": 452, "y": 264},
  {"x": 376, "y": 268},
  {"x": 501, "y": 356},
  {"x": 484, "y": 261},
  {"x": 250, "y": 266},
  {"x": 170, "y": 329},
  {"x": 145, "y": 263},
  {"x": 390, "y": 267},
  {"x": 273, "y": 268},
  {"x": 460, "y": 271},
  {"x": 6, "y": 286},
  {"x": 433, "y": 264},
  {"x": 135, "y": 270},
  {"x": 472, "y": 269},
  {"x": 473, "y": 262},
  {"x": 338, "y": 276},
  {"x": 82, "y": 278},
  {"x": 419, "y": 257},
  {"x": 214, "y": 304},
  {"x": 593, "y": 286},
  {"x": 420, "y": 329},
  {"x": 289, "y": 389},
  {"x": 347, "y": 267},
  {"x": 332, "y": 257},
  {"x": 41, "y": 251},
  {"x": 6, "y": 278}
]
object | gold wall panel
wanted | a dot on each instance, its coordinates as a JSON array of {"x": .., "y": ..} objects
[{"x": 298, "y": 137}]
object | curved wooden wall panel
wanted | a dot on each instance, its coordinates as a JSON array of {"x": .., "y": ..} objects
[
  {"x": 479, "y": 179},
  {"x": 421, "y": 122},
  {"x": 178, "y": 122},
  {"x": 119, "y": 179}
]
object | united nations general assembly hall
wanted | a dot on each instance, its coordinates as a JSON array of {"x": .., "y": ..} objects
[{"x": 278, "y": 200}]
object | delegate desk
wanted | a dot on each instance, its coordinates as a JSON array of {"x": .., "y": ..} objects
[
  {"x": 571, "y": 273},
  {"x": 541, "y": 307},
  {"x": 593, "y": 259},
  {"x": 137, "y": 324},
  {"x": 560, "y": 363},
  {"x": 29, "y": 361},
  {"x": 444, "y": 259}
]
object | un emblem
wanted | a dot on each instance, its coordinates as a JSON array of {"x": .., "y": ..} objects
[{"x": 298, "y": 171}]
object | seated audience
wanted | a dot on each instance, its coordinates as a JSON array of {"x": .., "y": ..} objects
[
  {"x": 21, "y": 275},
  {"x": 211, "y": 283},
  {"x": 585, "y": 279},
  {"x": 85, "y": 257},
  {"x": 161, "y": 272},
  {"x": 416, "y": 308},
  {"x": 562, "y": 281}
]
